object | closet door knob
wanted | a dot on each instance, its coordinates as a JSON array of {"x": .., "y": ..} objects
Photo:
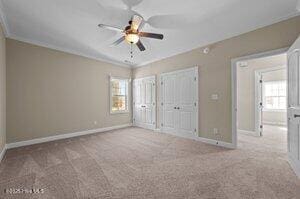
[{"x": 178, "y": 108}]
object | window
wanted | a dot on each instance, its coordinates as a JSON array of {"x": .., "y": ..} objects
[
  {"x": 118, "y": 95},
  {"x": 274, "y": 95}
]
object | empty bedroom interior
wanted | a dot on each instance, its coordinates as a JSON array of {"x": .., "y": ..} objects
[{"x": 123, "y": 103}]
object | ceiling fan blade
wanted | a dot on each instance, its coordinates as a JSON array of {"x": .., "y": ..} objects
[
  {"x": 140, "y": 45},
  {"x": 151, "y": 35},
  {"x": 118, "y": 41},
  {"x": 131, "y": 3},
  {"x": 110, "y": 27},
  {"x": 173, "y": 21},
  {"x": 136, "y": 22}
]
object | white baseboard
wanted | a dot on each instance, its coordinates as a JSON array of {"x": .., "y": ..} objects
[
  {"x": 245, "y": 132},
  {"x": 205, "y": 140},
  {"x": 216, "y": 142},
  {"x": 63, "y": 136},
  {"x": 157, "y": 130},
  {"x": 275, "y": 123},
  {"x": 2, "y": 153},
  {"x": 150, "y": 127},
  {"x": 295, "y": 166}
]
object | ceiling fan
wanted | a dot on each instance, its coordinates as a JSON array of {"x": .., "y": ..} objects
[{"x": 132, "y": 33}]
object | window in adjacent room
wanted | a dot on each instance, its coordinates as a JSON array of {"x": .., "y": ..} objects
[
  {"x": 274, "y": 95},
  {"x": 118, "y": 95}
]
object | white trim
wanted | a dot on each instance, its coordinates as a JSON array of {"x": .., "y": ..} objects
[
  {"x": 157, "y": 130},
  {"x": 271, "y": 69},
  {"x": 2, "y": 153},
  {"x": 204, "y": 140},
  {"x": 274, "y": 123},
  {"x": 3, "y": 20},
  {"x": 234, "y": 84},
  {"x": 67, "y": 50},
  {"x": 216, "y": 142},
  {"x": 272, "y": 22},
  {"x": 193, "y": 68},
  {"x": 275, "y": 110},
  {"x": 295, "y": 165},
  {"x": 64, "y": 136},
  {"x": 128, "y": 80},
  {"x": 147, "y": 77},
  {"x": 245, "y": 132},
  {"x": 258, "y": 99}
]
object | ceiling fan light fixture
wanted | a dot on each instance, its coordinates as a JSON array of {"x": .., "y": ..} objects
[{"x": 132, "y": 38}]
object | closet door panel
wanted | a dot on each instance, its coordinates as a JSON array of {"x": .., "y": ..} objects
[
  {"x": 186, "y": 102},
  {"x": 169, "y": 103},
  {"x": 145, "y": 106},
  {"x": 137, "y": 100}
]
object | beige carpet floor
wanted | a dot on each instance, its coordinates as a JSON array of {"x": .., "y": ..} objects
[{"x": 137, "y": 163}]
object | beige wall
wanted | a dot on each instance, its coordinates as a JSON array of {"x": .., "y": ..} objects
[
  {"x": 51, "y": 92},
  {"x": 2, "y": 90},
  {"x": 215, "y": 71},
  {"x": 246, "y": 88}
]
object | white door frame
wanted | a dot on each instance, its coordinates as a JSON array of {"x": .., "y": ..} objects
[
  {"x": 259, "y": 94},
  {"x": 154, "y": 105},
  {"x": 234, "y": 85},
  {"x": 160, "y": 100}
]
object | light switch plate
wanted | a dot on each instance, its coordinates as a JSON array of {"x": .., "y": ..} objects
[{"x": 214, "y": 96}]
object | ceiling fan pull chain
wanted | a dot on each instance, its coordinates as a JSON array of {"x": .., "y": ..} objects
[{"x": 131, "y": 53}]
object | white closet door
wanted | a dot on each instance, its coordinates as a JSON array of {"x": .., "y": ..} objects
[
  {"x": 293, "y": 109},
  {"x": 169, "y": 105},
  {"x": 144, "y": 102},
  {"x": 149, "y": 102},
  {"x": 137, "y": 101},
  {"x": 186, "y": 102},
  {"x": 179, "y": 102}
]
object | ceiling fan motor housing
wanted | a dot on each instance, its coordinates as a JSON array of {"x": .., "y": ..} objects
[{"x": 132, "y": 33}]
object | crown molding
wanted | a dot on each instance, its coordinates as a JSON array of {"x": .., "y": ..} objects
[
  {"x": 270, "y": 23},
  {"x": 3, "y": 20},
  {"x": 66, "y": 50}
]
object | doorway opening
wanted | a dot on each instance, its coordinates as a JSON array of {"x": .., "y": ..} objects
[{"x": 261, "y": 101}]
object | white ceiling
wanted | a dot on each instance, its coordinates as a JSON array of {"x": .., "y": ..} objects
[{"x": 71, "y": 25}]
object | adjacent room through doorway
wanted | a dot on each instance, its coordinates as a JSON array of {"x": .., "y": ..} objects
[{"x": 262, "y": 102}]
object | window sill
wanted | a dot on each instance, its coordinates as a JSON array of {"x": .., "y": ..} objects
[{"x": 118, "y": 112}]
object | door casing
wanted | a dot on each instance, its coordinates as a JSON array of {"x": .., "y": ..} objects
[{"x": 234, "y": 86}]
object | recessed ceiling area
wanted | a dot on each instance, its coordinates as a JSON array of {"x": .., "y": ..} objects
[{"x": 72, "y": 25}]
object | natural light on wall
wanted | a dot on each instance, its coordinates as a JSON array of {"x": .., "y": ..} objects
[
  {"x": 118, "y": 95},
  {"x": 274, "y": 95}
]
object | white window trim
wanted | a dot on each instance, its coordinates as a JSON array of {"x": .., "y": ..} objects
[
  {"x": 110, "y": 94},
  {"x": 274, "y": 110},
  {"x": 263, "y": 93}
]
